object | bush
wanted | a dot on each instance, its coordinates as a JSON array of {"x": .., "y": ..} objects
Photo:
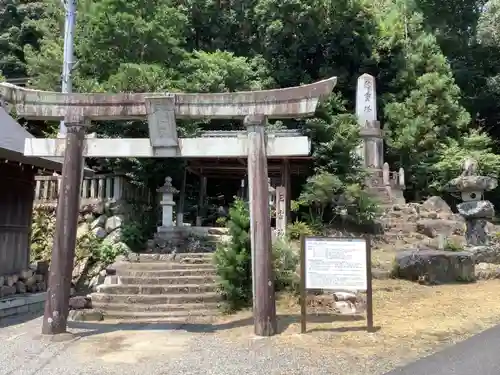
[
  {"x": 139, "y": 227},
  {"x": 42, "y": 234},
  {"x": 233, "y": 260},
  {"x": 106, "y": 253},
  {"x": 285, "y": 262},
  {"x": 329, "y": 200},
  {"x": 298, "y": 229},
  {"x": 132, "y": 234}
]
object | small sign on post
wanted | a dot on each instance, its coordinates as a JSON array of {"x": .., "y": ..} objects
[{"x": 336, "y": 264}]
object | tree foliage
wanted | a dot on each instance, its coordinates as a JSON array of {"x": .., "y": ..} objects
[{"x": 437, "y": 67}]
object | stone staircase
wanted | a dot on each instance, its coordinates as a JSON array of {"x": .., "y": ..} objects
[{"x": 160, "y": 287}]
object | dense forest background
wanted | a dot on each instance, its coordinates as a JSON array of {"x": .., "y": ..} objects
[{"x": 436, "y": 62}]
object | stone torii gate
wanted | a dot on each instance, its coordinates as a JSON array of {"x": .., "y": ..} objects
[{"x": 161, "y": 111}]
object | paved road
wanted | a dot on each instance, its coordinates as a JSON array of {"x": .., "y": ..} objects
[
  {"x": 478, "y": 355},
  {"x": 159, "y": 349},
  {"x": 200, "y": 349}
]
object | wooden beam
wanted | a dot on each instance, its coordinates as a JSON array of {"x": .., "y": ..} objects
[{"x": 187, "y": 148}]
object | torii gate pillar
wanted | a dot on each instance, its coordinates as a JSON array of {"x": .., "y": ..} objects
[
  {"x": 161, "y": 110},
  {"x": 264, "y": 306}
]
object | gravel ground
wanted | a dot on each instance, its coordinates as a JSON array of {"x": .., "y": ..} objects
[{"x": 162, "y": 348}]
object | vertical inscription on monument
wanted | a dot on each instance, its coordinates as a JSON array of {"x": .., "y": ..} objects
[
  {"x": 370, "y": 149},
  {"x": 280, "y": 211}
]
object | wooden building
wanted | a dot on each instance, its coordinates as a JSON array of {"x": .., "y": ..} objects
[{"x": 17, "y": 188}]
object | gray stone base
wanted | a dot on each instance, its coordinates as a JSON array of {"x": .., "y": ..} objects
[
  {"x": 434, "y": 266},
  {"x": 186, "y": 239},
  {"x": 22, "y": 304}
]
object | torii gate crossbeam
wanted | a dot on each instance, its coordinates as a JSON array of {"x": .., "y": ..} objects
[{"x": 161, "y": 111}]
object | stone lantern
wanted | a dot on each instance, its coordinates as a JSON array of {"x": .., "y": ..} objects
[
  {"x": 167, "y": 204},
  {"x": 475, "y": 210}
]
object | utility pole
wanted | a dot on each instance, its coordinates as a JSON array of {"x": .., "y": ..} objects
[{"x": 68, "y": 56}]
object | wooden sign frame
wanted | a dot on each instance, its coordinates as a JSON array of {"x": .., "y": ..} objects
[{"x": 303, "y": 289}]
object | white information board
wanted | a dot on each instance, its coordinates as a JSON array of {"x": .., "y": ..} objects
[{"x": 335, "y": 263}]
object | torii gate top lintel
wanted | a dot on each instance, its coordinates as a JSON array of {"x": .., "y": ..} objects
[{"x": 291, "y": 102}]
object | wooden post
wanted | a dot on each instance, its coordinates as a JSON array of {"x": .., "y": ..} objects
[
  {"x": 182, "y": 196},
  {"x": 264, "y": 308},
  {"x": 201, "y": 201},
  {"x": 63, "y": 251},
  {"x": 287, "y": 183}
]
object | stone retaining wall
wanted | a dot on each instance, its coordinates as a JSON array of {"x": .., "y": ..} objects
[{"x": 31, "y": 303}]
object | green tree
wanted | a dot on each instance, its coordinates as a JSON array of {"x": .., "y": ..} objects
[
  {"x": 15, "y": 33},
  {"x": 421, "y": 102},
  {"x": 233, "y": 261}
]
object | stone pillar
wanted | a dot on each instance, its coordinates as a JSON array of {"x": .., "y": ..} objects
[
  {"x": 167, "y": 205},
  {"x": 401, "y": 178},
  {"x": 366, "y": 113},
  {"x": 182, "y": 197},
  {"x": 281, "y": 210},
  {"x": 386, "y": 177},
  {"x": 373, "y": 145}
]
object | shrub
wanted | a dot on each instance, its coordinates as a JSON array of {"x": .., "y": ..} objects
[
  {"x": 233, "y": 260},
  {"x": 285, "y": 262},
  {"x": 299, "y": 228},
  {"x": 328, "y": 200},
  {"x": 42, "y": 234},
  {"x": 132, "y": 234},
  {"x": 106, "y": 253},
  {"x": 221, "y": 221}
]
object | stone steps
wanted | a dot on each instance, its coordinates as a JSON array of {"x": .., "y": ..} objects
[
  {"x": 179, "y": 316},
  {"x": 168, "y": 280},
  {"x": 157, "y": 289},
  {"x": 172, "y": 257},
  {"x": 169, "y": 309},
  {"x": 162, "y": 266},
  {"x": 156, "y": 299},
  {"x": 161, "y": 286},
  {"x": 172, "y": 273}
]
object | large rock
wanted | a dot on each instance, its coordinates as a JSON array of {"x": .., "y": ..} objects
[
  {"x": 85, "y": 315},
  {"x": 100, "y": 222},
  {"x": 433, "y": 227},
  {"x": 113, "y": 223},
  {"x": 436, "y": 204},
  {"x": 79, "y": 302},
  {"x": 97, "y": 280},
  {"x": 487, "y": 271},
  {"x": 113, "y": 238},
  {"x": 486, "y": 254},
  {"x": 434, "y": 266},
  {"x": 82, "y": 230}
]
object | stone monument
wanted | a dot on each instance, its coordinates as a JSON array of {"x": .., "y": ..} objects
[
  {"x": 387, "y": 186},
  {"x": 474, "y": 209}
]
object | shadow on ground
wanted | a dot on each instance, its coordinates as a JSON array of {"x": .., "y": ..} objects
[
  {"x": 284, "y": 321},
  {"x": 18, "y": 319}
]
